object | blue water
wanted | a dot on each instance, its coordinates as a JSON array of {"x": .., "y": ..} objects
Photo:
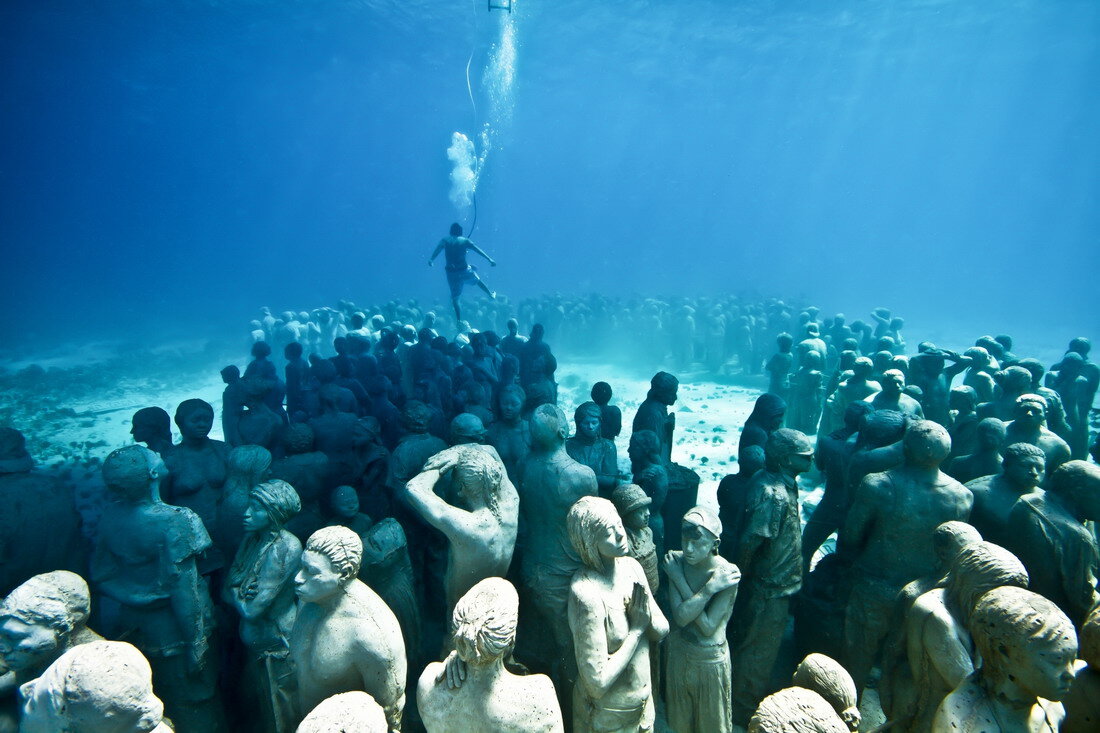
[{"x": 170, "y": 166}]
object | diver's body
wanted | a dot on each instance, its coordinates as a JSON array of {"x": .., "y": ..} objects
[{"x": 459, "y": 272}]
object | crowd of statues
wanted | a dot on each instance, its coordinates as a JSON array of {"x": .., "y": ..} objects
[{"x": 403, "y": 529}]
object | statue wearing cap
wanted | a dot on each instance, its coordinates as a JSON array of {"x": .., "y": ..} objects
[
  {"x": 770, "y": 557},
  {"x": 702, "y": 590},
  {"x": 632, "y": 504}
]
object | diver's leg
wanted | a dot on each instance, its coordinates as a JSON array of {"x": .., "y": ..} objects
[
  {"x": 458, "y": 311},
  {"x": 481, "y": 284}
]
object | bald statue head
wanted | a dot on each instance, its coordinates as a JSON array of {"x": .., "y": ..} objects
[
  {"x": 131, "y": 472},
  {"x": 926, "y": 444}
]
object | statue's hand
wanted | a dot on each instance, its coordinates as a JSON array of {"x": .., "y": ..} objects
[
  {"x": 724, "y": 577},
  {"x": 442, "y": 462},
  {"x": 454, "y": 670},
  {"x": 637, "y": 609}
]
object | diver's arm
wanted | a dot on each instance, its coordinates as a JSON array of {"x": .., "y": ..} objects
[
  {"x": 481, "y": 252},
  {"x": 438, "y": 249}
]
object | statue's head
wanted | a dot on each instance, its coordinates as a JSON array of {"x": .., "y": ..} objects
[
  {"x": 949, "y": 539},
  {"x": 131, "y": 472},
  {"x": 1080, "y": 345},
  {"x": 151, "y": 424},
  {"x": 194, "y": 418},
  {"x": 484, "y": 622},
  {"x": 926, "y": 444},
  {"x": 511, "y": 402},
  {"x": 1015, "y": 380},
  {"x": 1030, "y": 410},
  {"x": 979, "y": 568},
  {"x": 633, "y": 504},
  {"x": 788, "y": 451},
  {"x": 826, "y": 677},
  {"x": 513, "y": 327},
  {"x": 1090, "y": 639},
  {"x": 344, "y": 502},
  {"x": 467, "y": 428},
  {"x": 978, "y": 356},
  {"x": 1026, "y": 639},
  {"x": 99, "y": 687},
  {"x": 1079, "y": 481},
  {"x": 862, "y": 368},
  {"x": 700, "y": 534},
  {"x": 990, "y": 433},
  {"x": 330, "y": 561},
  {"x": 39, "y": 616},
  {"x": 270, "y": 505},
  {"x": 644, "y": 447},
  {"x": 601, "y": 393},
  {"x": 854, "y": 412},
  {"x": 478, "y": 475},
  {"x": 298, "y": 438},
  {"x": 587, "y": 419},
  {"x": 261, "y": 350},
  {"x": 354, "y": 710},
  {"x": 893, "y": 382},
  {"x": 1024, "y": 465},
  {"x": 663, "y": 387},
  {"x": 549, "y": 427},
  {"x": 1035, "y": 368},
  {"x": 596, "y": 531},
  {"x": 963, "y": 398},
  {"x": 768, "y": 411}
]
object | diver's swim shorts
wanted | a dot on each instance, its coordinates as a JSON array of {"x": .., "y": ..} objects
[{"x": 457, "y": 279}]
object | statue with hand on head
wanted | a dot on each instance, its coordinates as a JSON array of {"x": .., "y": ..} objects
[
  {"x": 482, "y": 535},
  {"x": 344, "y": 638},
  {"x": 472, "y": 690},
  {"x": 613, "y": 618},
  {"x": 99, "y": 687},
  {"x": 826, "y": 677},
  {"x": 1027, "y": 646}
]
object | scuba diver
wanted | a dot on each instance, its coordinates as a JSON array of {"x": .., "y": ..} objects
[{"x": 458, "y": 271}]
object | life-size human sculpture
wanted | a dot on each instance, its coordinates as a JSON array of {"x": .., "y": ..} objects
[
  {"x": 888, "y": 537},
  {"x": 780, "y": 366},
  {"x": 611, "y": 417},
  {"x": 342, "y": 437},
  {"x": 770, "y": 560},
  {"x": 1029, "y": 426},
  {"x": 349, "y": 711},
  {"x": 767, "y": 416},
  {"x": 986, "y": 459},
  {"x": 831, "y": 455},
  {"x": 588, "y": 447},
  {"x": 1083, "y": 702},
  {"x": 806, "y": 394},
  {"x": 1048, "y": 534},
  {"x": 893, "y": 397},
  {"x": 633, "y": 504},
  {"x": 197, "y": 466},
  {"x": 510, "y": 433},
  {"x": 1022, "y": 472},
  {"x": 963, "y": 423},
  {"x": 1027, "y": 646},
  {"x": 650, "y": 473},
  {"x": 732, "y": 494},
  {"x": 260, "y": 587},
  {"x": 858, "y": 386},
  {"x": 1013, "y": 383},
  {"x": 472, "y": 690},
  {"x": 145, "y": 561},
  {"x": 939, "y": 647},
  {"x": 99, "y": 687},
  {"x": 653, "y": 413},
  {"x": 345, "y": 637},
  {"x": 39, "y": 524},
  {"x": 482, "y": 535},
  {"x": 613, "y": 618},
  {"x": 153, "y": 427},
  {"x": 552, "y": 482},
  {"x": 306, "y": 470},
  {"x": 247, "y": 466},
  {"x": 39, "y": 621},
  {"x": 897, "y": 693},
  {"x": 702, "y": 590}
]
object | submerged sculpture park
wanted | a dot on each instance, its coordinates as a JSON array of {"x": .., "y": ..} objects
[{"x": 402, "y": 529}]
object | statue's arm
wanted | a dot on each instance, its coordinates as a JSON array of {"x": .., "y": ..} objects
[
  {"x": 948, "y": 656},
  {"x": 597, "y": 668},
  {"x": 857, "y": 528},
  {"x": 276, "y": 572},
  {"x": 187, "y": 607},
  {"x": 448, "y": 519}
]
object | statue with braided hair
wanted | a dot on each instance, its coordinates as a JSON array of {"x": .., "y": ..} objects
[
  {"x": 472, "y": 690},
  {"x": 345, "y": 638},
  {"x": 482, "y": 535}
]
